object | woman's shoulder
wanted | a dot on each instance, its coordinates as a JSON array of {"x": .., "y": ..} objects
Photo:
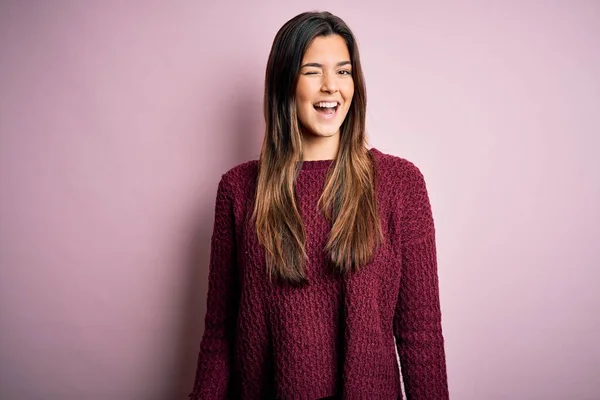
[
  {"x": 242, "y": 170},
  {"x": 240, "y": 177},
  {"x": 396, "y": 169}
]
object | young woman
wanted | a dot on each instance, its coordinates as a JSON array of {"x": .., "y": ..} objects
[{"x": 323, "y": 258}]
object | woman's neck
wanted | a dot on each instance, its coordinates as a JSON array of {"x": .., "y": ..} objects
[{"x": 315, "y": 148}]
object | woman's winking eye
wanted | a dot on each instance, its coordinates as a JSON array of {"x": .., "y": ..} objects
[{"x": 341, "y": 72}]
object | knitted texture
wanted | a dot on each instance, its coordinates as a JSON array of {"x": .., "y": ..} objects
[{"x": 338, "y": 335}]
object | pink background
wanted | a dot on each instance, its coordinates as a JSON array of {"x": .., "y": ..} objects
[{"x": 117, "y": 120}]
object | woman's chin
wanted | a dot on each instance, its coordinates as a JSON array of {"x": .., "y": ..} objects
[{"x": 323, "y": 133}]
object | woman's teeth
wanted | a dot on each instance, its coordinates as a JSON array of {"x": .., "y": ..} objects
[
  {"x": 326, "y": 107},
  {"x": 326, "y": 104}
]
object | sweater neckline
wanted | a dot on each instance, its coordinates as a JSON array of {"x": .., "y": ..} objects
[
  {"x": 316, "y": 165},
  {"x": 323, "y": 164}
]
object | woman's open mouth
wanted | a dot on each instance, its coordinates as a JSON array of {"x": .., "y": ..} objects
[{"x": 326, "y": 108}]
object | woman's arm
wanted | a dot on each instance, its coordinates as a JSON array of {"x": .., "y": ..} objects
[
  {"x": 215, "y": 356},
  {"x": 417, "y": 322}
]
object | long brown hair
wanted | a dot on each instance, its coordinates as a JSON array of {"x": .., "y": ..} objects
[{"x": 349, "y": 200}]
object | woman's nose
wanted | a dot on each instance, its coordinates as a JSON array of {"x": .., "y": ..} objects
[{"x": 329, "y": 84}]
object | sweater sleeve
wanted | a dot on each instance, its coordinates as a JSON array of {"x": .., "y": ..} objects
[
  {"x": 216, "y": 347},
  {"x": 417, "y": 321}
]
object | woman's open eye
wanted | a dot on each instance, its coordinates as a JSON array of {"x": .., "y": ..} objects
[{"x": 345, "y": 72}]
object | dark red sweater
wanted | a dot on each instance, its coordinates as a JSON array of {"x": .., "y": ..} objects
[{"x": 336, "y": 336}]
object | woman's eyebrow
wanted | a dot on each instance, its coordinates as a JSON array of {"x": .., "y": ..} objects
[{"x": 317, "y": 65}]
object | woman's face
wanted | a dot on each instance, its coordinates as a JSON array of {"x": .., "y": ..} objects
[{"x": 325, "y": 86}]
